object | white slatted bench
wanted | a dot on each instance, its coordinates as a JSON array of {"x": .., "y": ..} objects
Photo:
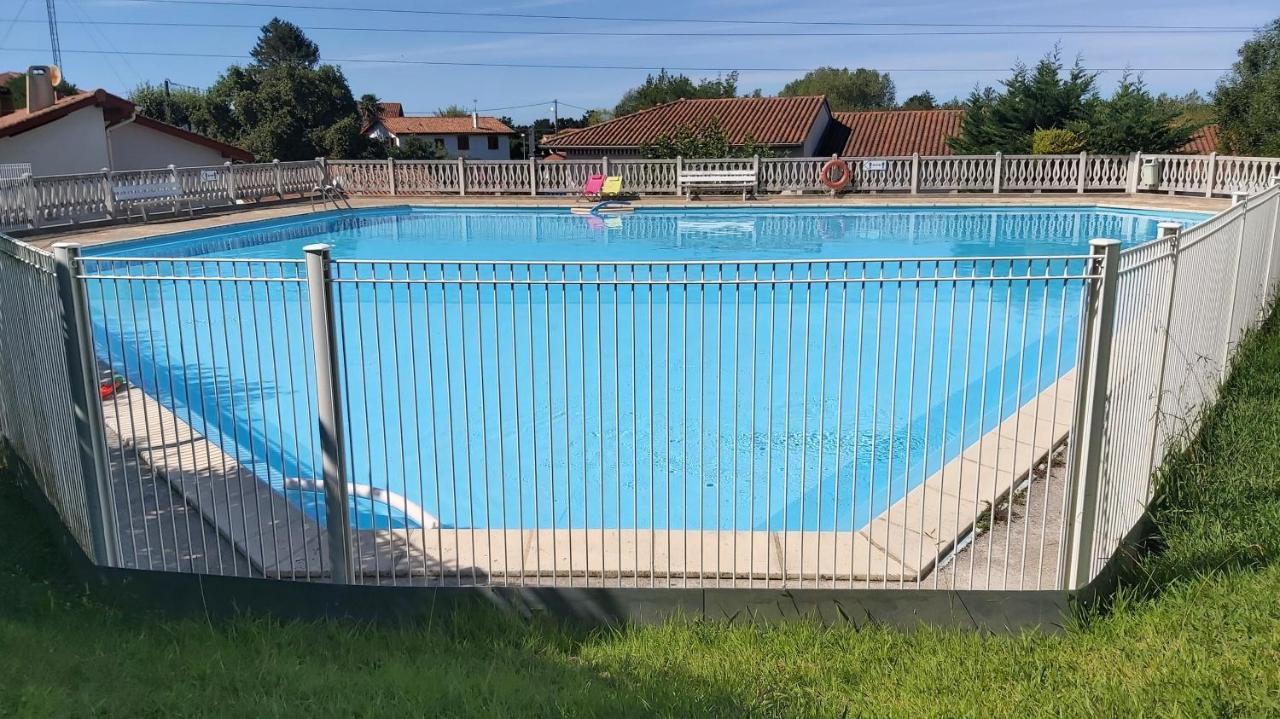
[
  {"x": 692, "y": 180},
  {"x": 149, "y": 193}
]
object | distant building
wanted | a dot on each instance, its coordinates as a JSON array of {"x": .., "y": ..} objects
[
  {"x": 476, "y": 137},
  {"x": 89, "y": 131},
  {"x": 1203, "y": 142},
  {"x": 788, "y": 126},
  {"x": 889, "y": 133}
]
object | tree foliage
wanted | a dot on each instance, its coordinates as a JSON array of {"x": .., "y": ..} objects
[
  {"x": 369, "y": 107},
  {"x": 665, "y": 87},
  {"x": 1131, "y": 120},
  {"x": 1033, "y": 99},
  {"x": 415, "y": 148},
  {"x": 705, "y": 140},
  {"x": 846, "y": 89},
  {"x": 920, "y": 101},
  {"x": 1248, "y": 99},
  {"x": 1056, "y": 141},
  {"x": 181, "y": 106},
  {"x": 283, "y": 43},
  {"x": 453, "y": 111}
]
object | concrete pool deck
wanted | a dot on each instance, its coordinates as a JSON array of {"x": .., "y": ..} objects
[{"x": 227, "y": 216}]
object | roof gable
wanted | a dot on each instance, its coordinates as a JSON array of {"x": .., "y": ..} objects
[
  {"x": 433, "y": 125},
  {"x": 777, "y": 121}
]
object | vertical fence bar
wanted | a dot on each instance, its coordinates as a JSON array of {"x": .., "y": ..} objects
[
  {"x": 391, "y": 175},
  {"x": 83, "y": 375},
  {"x": 1084, "y": 472},
  {"x": 1271, "y": 240},
  {"x": 329, "y": 410},
  {"x": 1170, "y": 231},
  {"x": 275, "y": 166},
  {"x": 1082, "y": 172},
  {"x": 1211, "y": 177},
  {"x": 1233, "y": 287},
  {"x": 29, "y": 195},
  {"x": 915, "y": 173},
  {"x": 231, "y": 181},
  {"x": 997, "y": 175},
  {"x": 533, "y": 176},
  {"x": 108, "y": 193},
  {"x": 1135, "y": 167},
  {"x": 462, "y": 176}
]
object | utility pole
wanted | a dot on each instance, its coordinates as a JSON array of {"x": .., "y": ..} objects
[
  {"x": 168, "y": 109},
  {"x": 555, "y": 113},
  {"x": 52, "y": 14}
]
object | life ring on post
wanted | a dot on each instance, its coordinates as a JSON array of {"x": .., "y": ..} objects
[{"x": 836, "y": 183}]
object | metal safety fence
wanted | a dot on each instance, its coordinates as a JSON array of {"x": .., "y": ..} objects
[{"x": 968, "y": 423}]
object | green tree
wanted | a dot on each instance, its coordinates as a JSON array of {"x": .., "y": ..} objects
[
  {"x": 846, "y": 89},
  {"x": 1131, "y": 120},
  {"x": 415, "y": 148},
  {"x": 453, "y": 111},
  {"x": 1191, "y": 109},
  {"x": 1248, "y": 98},
  {"x": 181, "y": 106},
  {"x": 1056, "y": 141},
  {"x": 665, "y": 87},
  {"x": 705, "y": 140},
  {"x": 1033, "y": 99},
  {"x": 286, "y": 108},
  {"x": 283, "y": 43},
  {"x": 921, "y": 101},
  {"x": 369, "y": 107}
]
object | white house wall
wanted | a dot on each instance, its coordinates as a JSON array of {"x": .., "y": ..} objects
[
  {"x": 134, "y": 147},
  {"x": 479, "y": 146},
  {"x": 73, "y": 143}
]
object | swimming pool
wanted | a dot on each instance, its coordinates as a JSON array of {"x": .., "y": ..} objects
[{"x": 700, "y": 369}]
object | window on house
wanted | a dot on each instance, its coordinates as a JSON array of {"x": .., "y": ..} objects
[
  {"x": 464, "y": 142},
  {"x": 439, "y": 144},
  {"x": 493, "y": 142}
]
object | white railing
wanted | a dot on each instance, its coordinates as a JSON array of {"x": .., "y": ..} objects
[{"x": 38, "y": 202}]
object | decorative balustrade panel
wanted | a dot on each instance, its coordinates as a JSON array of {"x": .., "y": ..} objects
[
  {"x": 568, "y": 176},
  {"x": 72, "y": 198},
  {"x": 723, "y": 165},
  {"x": 964, "y": 172},
  {"x": 645, "y": 176},
  {"x": 879, "y": 174},
  {"x": 799, "y": 174},
  {"x": 204, "y": 186},
  {"x": 301, "y": 177},
  {"x": 362, "y": 177},
  {"x": 253, "y": 182},
  {"x": 1244, "y": 174},
  {"x": 1183, "y": 173},
  {"x": 1040, "y": 172},
  {"x": 426, "y": 177},
  {"x": 496, "y": 176},
  {"x": 1106, "y": 172}
]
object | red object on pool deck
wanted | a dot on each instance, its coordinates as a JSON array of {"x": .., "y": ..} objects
[{"x": 109, "y": 387}]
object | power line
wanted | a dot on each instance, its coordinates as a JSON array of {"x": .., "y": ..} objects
[
  {"x": 566, "y": 66},
  {"x": 634, "y": 33},
  {"x": 717, "y": 21}
]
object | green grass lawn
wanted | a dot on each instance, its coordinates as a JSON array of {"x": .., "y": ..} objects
[{"x": 1198, "y": 636}]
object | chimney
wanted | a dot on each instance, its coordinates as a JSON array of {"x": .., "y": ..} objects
[
  {"x": 6, "y": 101},
  {"x": 39, "y": 87},
  {"x": 475, "y": 119}
]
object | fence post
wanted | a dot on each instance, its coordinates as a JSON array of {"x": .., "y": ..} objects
[
  {"x": 755, "y": 170},
  {"x": 915, "y": 173},
  {"x": 1272, "y": 238},
  {"x": 604, "y": 165},
  {"x": 323, "y": 163},
  {"x": 324, "y": 343},
  {"x": 462, "y": 176},
  {"x": 1084, "y": 463},
  {"x": 275, "y": 165},
  {"x": 108, "y": 193},
  {"x": 533, "y": 176},
  {"x": 82, "y": 373},
  {"x": 679, "y": 171},
  {"x": 1211, "y": 175},
  {"x": 29, "y": 196},
  {"x": 1234, "y": 288},
  {"x": 391, "y": 175},
  {"x": 1134, "y": 169},
  {"x": 1083, "y": 172},
  {"x": 1172, "y": 232},
  {"x": 999, "y": 174},
  {"x": 231, "y": 181},
  {"x": 173, "y": 176}
]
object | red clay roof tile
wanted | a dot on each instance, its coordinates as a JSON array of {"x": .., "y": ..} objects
[
  {"x": 886, "y": 133},
  {"x": 431, "y": 125}
]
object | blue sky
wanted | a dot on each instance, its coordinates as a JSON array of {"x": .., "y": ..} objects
[{"x": 422, "y": 88}]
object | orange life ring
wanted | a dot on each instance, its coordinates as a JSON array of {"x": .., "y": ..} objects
[{"x": 838, "y": 183}]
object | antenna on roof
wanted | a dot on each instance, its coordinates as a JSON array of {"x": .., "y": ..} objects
[{"x": 52, "y": 13}]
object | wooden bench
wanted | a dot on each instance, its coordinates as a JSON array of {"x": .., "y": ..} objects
[
  {"x": 149, "y": 193},
  {"x": 688, "y": 181}
]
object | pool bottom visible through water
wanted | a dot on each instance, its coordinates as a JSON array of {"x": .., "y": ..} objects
[{"x": 753, "y": 393}]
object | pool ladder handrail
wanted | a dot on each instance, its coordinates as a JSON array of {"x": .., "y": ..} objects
[{"x": 330, "y": 193}]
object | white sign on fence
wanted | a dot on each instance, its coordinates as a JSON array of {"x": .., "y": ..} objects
[
  {"x": 208, "y": 175},
  {"x": 875, "y": 165}
]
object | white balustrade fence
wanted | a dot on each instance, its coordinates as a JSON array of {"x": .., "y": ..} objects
[{"x": 39, "y": 202}]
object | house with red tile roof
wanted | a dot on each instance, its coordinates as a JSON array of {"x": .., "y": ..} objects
[
  {"x": 89, "y": 131},
  {"x": 476, "y": 137},
  {"x": 788, "y": 126},
  {"x": 887, "y": 133},
  {"x": 1203, "y": 142}
]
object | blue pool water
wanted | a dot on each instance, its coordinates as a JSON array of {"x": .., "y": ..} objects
[{"x": 531, "y": 368}]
